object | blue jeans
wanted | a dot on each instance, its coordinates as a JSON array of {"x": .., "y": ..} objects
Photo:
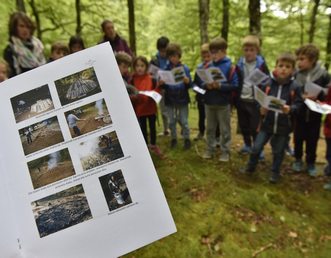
[
  {"x": 278, "y": 145},
  {"x": 178, "y": 113}
]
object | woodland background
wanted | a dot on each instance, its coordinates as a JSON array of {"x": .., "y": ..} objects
[{"x": 282, "y": 25}]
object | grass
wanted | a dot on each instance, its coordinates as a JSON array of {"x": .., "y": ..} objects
[{"x": 221, "y": 213}]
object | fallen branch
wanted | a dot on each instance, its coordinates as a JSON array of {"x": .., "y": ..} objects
[{"x": 262, "y": 249}]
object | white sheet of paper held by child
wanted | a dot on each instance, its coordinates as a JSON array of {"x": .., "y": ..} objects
[
  {"x": 318, "y": 107},
  {"x": 256, "y": 77}
]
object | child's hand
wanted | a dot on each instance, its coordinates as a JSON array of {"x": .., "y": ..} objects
[
  {"x": 209, "y": 86},
  {"x": 161, "y": 82},
  {"x": 217, "y": 85},
  {"x": 186, "y": 80},
  {"x": 286, "y": 109},
  {"x": 263, "y": 111}
]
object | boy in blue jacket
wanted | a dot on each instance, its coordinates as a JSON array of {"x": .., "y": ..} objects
[
  {"x": 217, "y": 100},
  {"x": 247, "y": 107},
  {"x": 176, "y": 97},
  {"x": 276, "y": 126}
]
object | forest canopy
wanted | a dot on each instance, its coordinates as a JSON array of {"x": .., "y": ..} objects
[{"x": 285, "y": 25}]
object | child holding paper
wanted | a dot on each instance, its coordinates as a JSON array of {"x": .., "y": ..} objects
[
  {"x": 176, "y": 97},
  {"x": 217, "y": 100},
  {"x": 199, "y": 97},
  {"x": 276, "y": 126},
  {"x": 308, "y": 123},
  {"x": 124, "y": 61},
  {"x": 145, "y": 107},
  {"x": 247, "y": 107}
]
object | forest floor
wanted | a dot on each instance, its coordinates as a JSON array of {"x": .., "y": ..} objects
[{"x": 221, "y": 213}]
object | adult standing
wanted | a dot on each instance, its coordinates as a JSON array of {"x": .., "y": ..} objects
[
  {"x": 110, "y": 35},
  {"x": 24, "y": 51}
]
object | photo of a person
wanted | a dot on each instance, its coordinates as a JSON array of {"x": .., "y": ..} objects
[
  {"x": 88, "y": 118},
  {"x": 41, "y": 135},
  {"x": 115, "y": 190}
]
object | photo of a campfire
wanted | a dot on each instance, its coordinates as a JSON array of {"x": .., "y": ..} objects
[
  {"x": 88, "y": 118},
  {"x": 100, "y": 150},
  {"x": 32, "y": 103},
  {"x": 115, "y": 190},
  {"x": 41, "y": 135},
  {"x": 77, "y": 86},
  {"x": 50, "y": 168},
  {"x": 61, "y": 210}
]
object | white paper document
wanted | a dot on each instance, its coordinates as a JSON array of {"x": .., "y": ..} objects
[
  {"x": 268, "y": 102},
  {"x": 313, "y": 90},
  {"x": 173, "y": 77},
  {"x": 318, "y": 107},
  {"x": 77, "y": 180},
  {"x": 152, "y": 94},
  {"x": 153, "y": 70},
  {"x": 256, "y": 77},
  {"x": 199, "y": 90},
  {"x": 211, "y": 74}
]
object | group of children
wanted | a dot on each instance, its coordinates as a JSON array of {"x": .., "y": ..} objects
[{"x": 287, "y": 82}]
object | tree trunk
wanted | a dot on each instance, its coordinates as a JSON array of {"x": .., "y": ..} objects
[
  {"x": 313, "y": 21},
  {"x": 37, "y": 18},
  {"x": 132, "y": 31},
  {"x": 203, "y": 20},
  {"x": 254, "y": 17},
  {"x": 225, "y": 23},
  {"x": 301, "y": 22},
  {"x": 78, "y": 18},
  {"x": 328, "y": 46},
  {"x": 20, "y": 6}
]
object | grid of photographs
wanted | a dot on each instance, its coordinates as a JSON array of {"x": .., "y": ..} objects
[
  {"x": 115, "y": 190},
  {"x": 32, "y": 103},
  {"x": 68, "y": 207},
  {"x": 51, "y": 168},
  {"x": 61, "y": 210},
  {"x": 88, "y": 118}
]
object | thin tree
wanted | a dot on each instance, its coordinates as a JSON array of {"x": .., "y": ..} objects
[
  {"x": 132, "y": 31},
  {"x": 254, "y": 17},
  {"x": 35, "y": 13},
  {"x": 20, "y": 6},
  {"x": 313, "y": 21},
  {"x": 78, "y": 17},
  {"x": 203, "y": 20},
  {"x": 301, "y": 22},
  {"x": 328, "y": 46},
  {"x": 225, "y": 23}
]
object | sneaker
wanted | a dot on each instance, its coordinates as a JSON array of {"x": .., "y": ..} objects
[
  {"x": 274, "y": 178},
  {"x": 245, "y": 149},
  {"x": 311, "y": 170},
  {"x": 327, "y": 171},
  {"x": 173, "y": 143},
  {"x": 207, "y": 155},
  {"x": 261, "y": 157},
  {"x": 327, "y": 186},
  {"x": 187, "y": 144},
  {"x": 297, "y": 166},
  {"x": 199, "y": 137},
  {"x": 156, "y": 150},
  {"x": 225, "y": 157}
]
